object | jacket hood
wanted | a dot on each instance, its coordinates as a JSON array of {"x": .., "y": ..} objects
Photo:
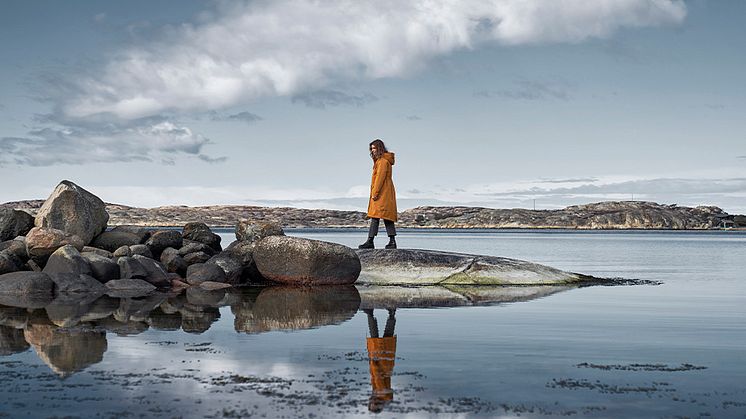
[{"x": 389, "y": 156}]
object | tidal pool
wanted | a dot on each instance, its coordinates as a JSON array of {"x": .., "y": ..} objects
[{"x": 677, "y": 349}]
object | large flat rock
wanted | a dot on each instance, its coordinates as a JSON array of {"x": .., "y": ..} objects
[{"x": 430, "y": 267}]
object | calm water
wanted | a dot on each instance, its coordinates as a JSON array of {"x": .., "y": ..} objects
[{"x": 671, "y": 350}]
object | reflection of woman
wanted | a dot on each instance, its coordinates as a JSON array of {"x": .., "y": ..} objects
[
  {"x": 382, "y": 202},
  {"x": 381, "y": 355}
]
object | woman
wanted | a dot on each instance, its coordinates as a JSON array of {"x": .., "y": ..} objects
[{"x": 382, "y": 203}]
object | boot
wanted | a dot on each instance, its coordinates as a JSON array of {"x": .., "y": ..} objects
[
  {"x": 392, "y": 243},
  {"x": 368, "y": 244}
]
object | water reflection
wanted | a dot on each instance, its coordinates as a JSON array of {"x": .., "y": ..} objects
[
  {"x": 381, "y": 358},
  {"x": 69, "y": 333}
]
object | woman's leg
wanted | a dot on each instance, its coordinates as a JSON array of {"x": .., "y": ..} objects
[
  {"x": 374, "y": 223},
  {"x": 390, "y": 228}
]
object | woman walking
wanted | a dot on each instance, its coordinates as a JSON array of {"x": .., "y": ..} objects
[{"x": 382, "y": 202}]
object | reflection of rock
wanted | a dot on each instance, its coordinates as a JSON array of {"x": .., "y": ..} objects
[
  {"x": 195, "y": 319},
  {"x": 291, "y": 308},
  {"x": 67, "y": 310},
  {"x": 26, "y": 289},
  {"x": 429, "y": 267},
  {"x": 450, "y": 296},
  {"x": 111, "y": 324},
  {"x": 15, "y": 317},
  {"x": 12, "y": 341},
  {"x": 160, "y": 320},
  {"x": 66, "y": 351}
]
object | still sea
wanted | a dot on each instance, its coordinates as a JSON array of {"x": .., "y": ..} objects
[{"x": 676, "y": 349}]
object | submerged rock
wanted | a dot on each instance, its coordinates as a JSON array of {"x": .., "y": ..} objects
[
  {"x": 298, "y": 261},
  {"x": 429, "y": 267}
]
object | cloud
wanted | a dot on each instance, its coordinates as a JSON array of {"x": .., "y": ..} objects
[
  {"x": 741, "y": 157},
  {"x": 414, "y": 118},
  {"x": 572, "y": 180},
  {"x": 321, "y": 99},
  {"x": 100, "y": 17},
  {"x": 146, "y": 140},
  {"x": 529, "y": 90},
  {"x": 253, "y": 49},
  {"x": 245, "y": 116}
]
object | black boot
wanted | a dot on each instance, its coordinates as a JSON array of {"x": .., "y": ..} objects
[
  {"x": 392, "y": 243},
  {"x": 368, "y": 244}
]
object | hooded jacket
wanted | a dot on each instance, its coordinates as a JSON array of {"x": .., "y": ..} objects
[{"x": 382, "y": 188}]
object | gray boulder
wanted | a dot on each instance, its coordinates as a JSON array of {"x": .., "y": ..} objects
[
  {"x": 173, "y": 262},
  {"x": 96, "y": 250},
  {"x": 70, "y": 283},
  {"x": 14, "y": 223},
  {"x": 163, "y": 239},
  {"x": 428, "y": 267},
  {"x": 17, "y": 247},
  {"x": 193, "y": 247},
  {"x": 113, "y": 240},
  {"x": 201, "y": 272},
  {"x": 201, "y": 233},
  {"x": 73, "y": 210},
  {"x": 23, "y": 283},
  {"x": 102, "y": 268},
  {"x": 230, "y": 264},
  {"x": 143, "y": 233},
  {"x": 130, "y": 268},
  {"x": 243, "y": 251},
  {"x": 67, "y": 259},
  {"x": 42, "y": 242},
  {"x": 9, "y": 262},
  {"x": 157, "y": 274},
  {"x": 128, "y": 288},
  {"x": 247, "y": 230},
  {"x": 142, "y": 250},
  {"x": 196, "y": 257},
  {"x": 122, "y": 252},
  {"x": 298, "y": 261}
]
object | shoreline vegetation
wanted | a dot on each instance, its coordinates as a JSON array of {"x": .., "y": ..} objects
[{"x": 609, "y": 215}]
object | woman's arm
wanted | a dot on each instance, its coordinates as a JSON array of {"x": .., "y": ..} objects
[{"x": 383, "y": 173}]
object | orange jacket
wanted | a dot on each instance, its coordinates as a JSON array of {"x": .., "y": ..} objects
[
  {"x": 382, "y": 353},
  {"x": 382, "y": 188}
]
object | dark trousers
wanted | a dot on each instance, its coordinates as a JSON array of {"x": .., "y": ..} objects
[{"x": 376, "y": 222}]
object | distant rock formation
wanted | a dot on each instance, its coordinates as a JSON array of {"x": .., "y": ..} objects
[{"x": 601, "y": 215}]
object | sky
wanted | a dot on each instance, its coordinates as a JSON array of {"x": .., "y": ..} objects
[{"x": 503, "y": 104}]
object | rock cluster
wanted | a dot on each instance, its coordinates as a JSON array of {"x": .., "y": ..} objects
[{"x": 67, "y": 249}]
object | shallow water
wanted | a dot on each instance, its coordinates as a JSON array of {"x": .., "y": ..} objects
[{"x": 671, "y": 350}]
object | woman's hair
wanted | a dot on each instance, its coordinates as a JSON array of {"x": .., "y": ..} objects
[{"x": 381, "y": 148}]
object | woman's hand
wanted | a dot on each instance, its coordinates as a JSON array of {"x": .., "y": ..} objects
[{"x": 375, "y": 197}]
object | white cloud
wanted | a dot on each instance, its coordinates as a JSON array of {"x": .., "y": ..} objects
[{"x": 286, "y": 47}]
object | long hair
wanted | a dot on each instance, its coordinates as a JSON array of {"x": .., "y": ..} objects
[{"x": 381, "y": 148}]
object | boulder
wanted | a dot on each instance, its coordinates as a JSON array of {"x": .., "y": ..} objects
[
  {"x": 24, "y": 283},
  {"x": 196, "y": 257},
  {"x": 157, "y": 274},
  {"x": 67, "y": 259},
  {"x": 142, "y": 250},
  {"x": 162, "y": 239},
  {"x": 131, "y": 268},
  {"x": 42, "y": 242},
  {"x": 113, "y": 240},
  {"x": 128, "y": 288},
  {"x": 70, "y": 283},
  {"x": 212, "y": 286},
  {"x": 73, "y": 210},
  {"x": 14, "y": 223},
  {"x": 192, "y": 247},
  {"x": 299, "y": 261},
  {"x": 247, "y": 230},
  {"x": 243, "y": 251},
  {"x": 17, "y": 247},
  {"x": 173, "y": 262},
  {"x": 230, "y": 264},
  {"x": 123, "y": 251},
  {"x": 102, "y": 268},
  {"x": 143, "y": 233},
  {"x": 201, "y": 233},
  {"x": 428, "y": 267},
  {"x": 96, "y": 250},
  {"x": 9, "y": 262},
  {"x": 201, "y": 272}
]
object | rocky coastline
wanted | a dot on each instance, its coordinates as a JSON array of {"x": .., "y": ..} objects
[{"x": 612, "y": 215}]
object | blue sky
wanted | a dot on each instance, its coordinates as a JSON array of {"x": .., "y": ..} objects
[{"x": 493, "y": 104}]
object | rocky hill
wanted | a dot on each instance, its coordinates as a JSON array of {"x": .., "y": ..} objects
[{"x": 602, "y": 215}]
